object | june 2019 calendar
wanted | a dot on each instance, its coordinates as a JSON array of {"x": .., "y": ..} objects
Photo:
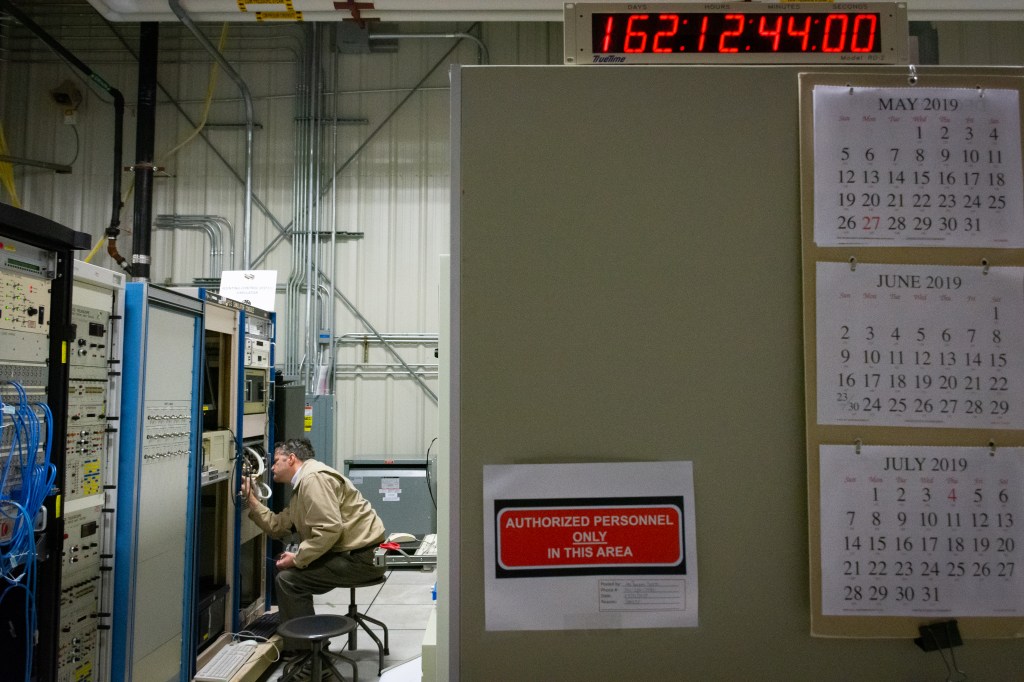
[
  {"x": 917, "y": 166},
  {"x": 920, "y": 345},
  {"x": 931, "y": 531}
]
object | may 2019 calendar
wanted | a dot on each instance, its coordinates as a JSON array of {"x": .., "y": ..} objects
[
  {"x": 920, "y": 345},
  {"x": 922, "y": 531},
  {"x": 918, "y": 167}
]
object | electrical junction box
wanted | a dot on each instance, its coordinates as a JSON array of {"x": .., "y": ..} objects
[{"x": 399, "y": 492}]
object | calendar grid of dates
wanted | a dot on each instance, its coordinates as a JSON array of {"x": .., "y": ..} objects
[
  {"x": 922, "y": 530},
  {"x": 918, "y": 167},
  {"x": 920, "y": 346}
]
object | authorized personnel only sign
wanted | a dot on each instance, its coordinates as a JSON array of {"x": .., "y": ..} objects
[
  {"x": 609, "y": 536},
  {"x": 588, "y": 546}
]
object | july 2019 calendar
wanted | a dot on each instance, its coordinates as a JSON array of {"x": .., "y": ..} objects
[
  {"x": 918, "y": 167},
  {"x": 920, "y": 345},
  {"x": 922, "y": 531}
]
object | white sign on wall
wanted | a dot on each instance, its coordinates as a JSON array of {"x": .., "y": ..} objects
[
  {"x": 251, "y": 287},
  {"x": 590, "y": 546}
]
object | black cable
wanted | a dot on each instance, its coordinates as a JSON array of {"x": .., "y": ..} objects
[
  {"x": 427, "y": 461},
  {"x": 78, "y": 146}
]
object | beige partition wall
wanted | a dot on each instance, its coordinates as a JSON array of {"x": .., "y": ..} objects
[{"x": 626, "y": 281}]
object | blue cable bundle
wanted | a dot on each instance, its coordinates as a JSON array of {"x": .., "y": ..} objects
[{"x": 20, "y": 504}]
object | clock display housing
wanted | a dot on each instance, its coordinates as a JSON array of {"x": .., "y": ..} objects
[{"x": 669, "y": 33}]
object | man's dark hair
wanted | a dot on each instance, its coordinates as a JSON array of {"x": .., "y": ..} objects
[{"x": 300, "y": 447}]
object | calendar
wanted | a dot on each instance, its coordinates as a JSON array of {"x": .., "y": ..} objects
[
  {"x": 920, "y": 345},
  {"x": 915, "y": 352},
  {"x": 917, "y": 166},
  {"x": 931, "y": 531}
]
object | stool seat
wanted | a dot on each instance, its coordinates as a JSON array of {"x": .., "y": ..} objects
[
  {"x": 315, "y": 627},
  {"x": 368, "y": 583}
]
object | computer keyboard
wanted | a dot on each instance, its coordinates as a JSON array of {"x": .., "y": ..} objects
[
  {"x": 265, "y": 626},
  {"x": 428, "y": 546},
  {"x": 226, "y": 662}
]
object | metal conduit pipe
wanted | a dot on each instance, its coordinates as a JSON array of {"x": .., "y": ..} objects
[
  {"x": 227, "y": 235},
  {"x": 383, "y": 373},
  {"x": 289, "y": 232},
  {"x": 215, "y": 222},
  {"x": 483, "y": 58},
  {"x": 171, "y": 223},
  {"x": 311, "y": 206},
  {"x": 332, "y": 355},
  {"x": 295, "y": 276},
  {"x": 360, "y": 338},
  {"x": 179, "y": 12}
]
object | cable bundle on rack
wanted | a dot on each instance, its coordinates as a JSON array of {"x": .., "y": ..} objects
[{"x": 24, "y": 485}]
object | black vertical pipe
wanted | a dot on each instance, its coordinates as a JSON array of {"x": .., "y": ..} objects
[{"x": 145, "y": 135}]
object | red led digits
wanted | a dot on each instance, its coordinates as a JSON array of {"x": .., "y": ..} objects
[
  {"x": 862, "y": 39},
  {"x": 738, "y": 18},
  {"x": 631, "y": 32},
  {"x": 802, "y": 32},
  {"x": 829, "y": 42},
  {"x": 673, "y": 19},
  {"x": 737, "y": 32},
  {"x": 868, "y": 42},
  {"x": 703, "y": 34},
  {"x": 773, "y": 32},
  {"x": 608, "y": 26}
]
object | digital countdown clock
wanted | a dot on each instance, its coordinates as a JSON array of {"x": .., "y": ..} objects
[{"x": 737, "y": 32}]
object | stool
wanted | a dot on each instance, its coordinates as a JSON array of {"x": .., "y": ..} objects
[
  {"x": 362, "y": 618},
  {"x": 317, "y": 630}
]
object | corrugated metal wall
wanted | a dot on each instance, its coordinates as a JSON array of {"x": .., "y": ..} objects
[{"x": 395, "y": 190}]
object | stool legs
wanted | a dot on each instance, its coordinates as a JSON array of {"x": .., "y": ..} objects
[
  {"x": 360, "y": 619},
  {"x": 319, "y": 661}
]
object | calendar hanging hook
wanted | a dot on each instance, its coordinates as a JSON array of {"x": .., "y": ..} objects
[
  {"x": 912, "y": 79},
  {"x": 991, "y": 448},
  {"x": 856, "y": 446},
  {"x": 853, "y": 263},
  {"x": 981, "y": 91},
  {"x": 984, "y": 266}
]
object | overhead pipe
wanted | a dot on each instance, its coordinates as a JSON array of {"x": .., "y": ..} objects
[
  {"x": 202, "y": 134},
  {"x": 300, "y": 217},
  {"x": 145, "y": 144},
  {"x": 112, "y": 230},
  {"x": 294, "y": 228},
  {"x": 310, "y": 207},
  {"x": 484, "y": 57},
  {"x": 423, "y": 338},
  {"x": 170, "y": 222},
  {"x": 225, "y": 233},
  {"x": 183, "y": 16},
  {"x": 331, "y": 349}
]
